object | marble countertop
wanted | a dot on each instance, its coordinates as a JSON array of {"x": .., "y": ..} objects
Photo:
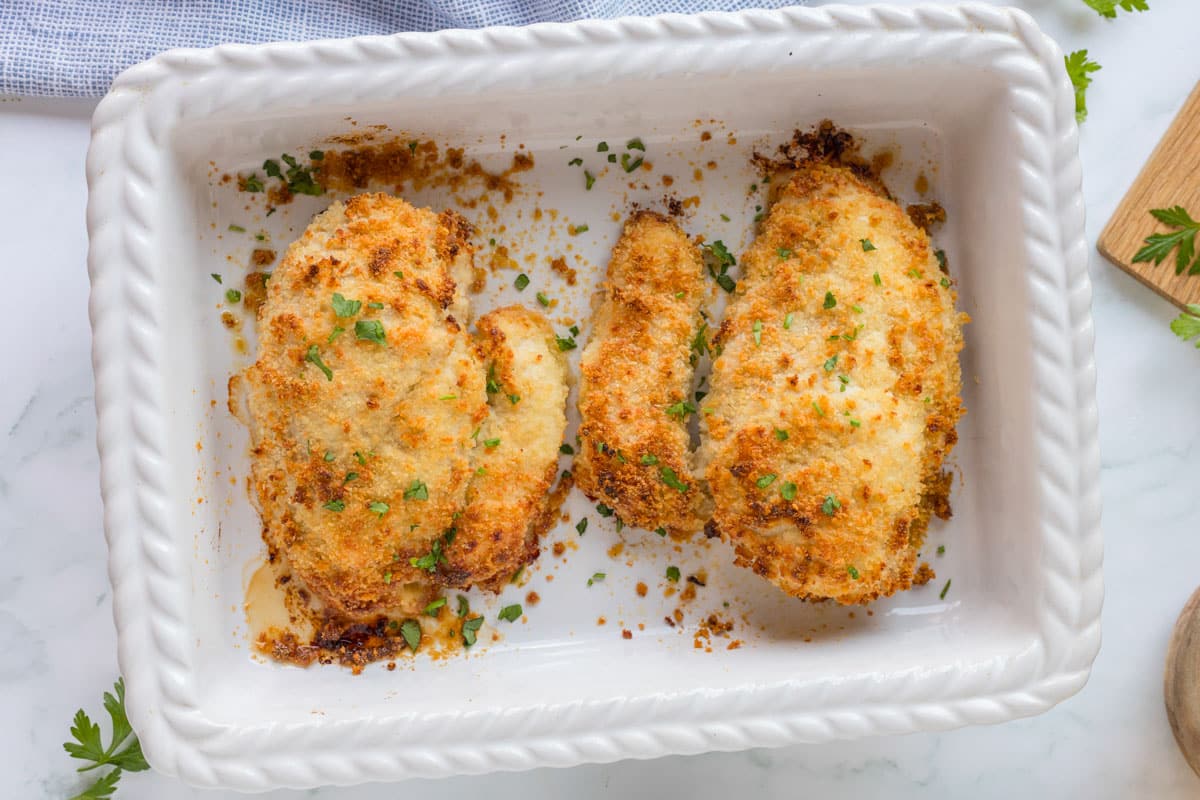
[{"x": 57, "y": 641}]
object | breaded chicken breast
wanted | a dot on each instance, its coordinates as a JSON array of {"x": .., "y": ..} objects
[
  {"x": 635, "y": 392},
  {"x": 836, "y": 392},
  {"x": 362, "y": 402},
  {"x": 516, "y": 454}
]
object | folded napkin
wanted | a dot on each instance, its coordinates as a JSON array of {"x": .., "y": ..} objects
[{"x": 76, "y": 47}]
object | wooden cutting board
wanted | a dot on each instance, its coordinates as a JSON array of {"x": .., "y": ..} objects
[{"x": 1170, "y": 178}]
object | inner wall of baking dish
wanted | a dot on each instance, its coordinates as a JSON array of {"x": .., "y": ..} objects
[{"x": 952, "y": 125}]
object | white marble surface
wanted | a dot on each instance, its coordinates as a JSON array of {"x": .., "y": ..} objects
[{"x": 57, "y": 648}]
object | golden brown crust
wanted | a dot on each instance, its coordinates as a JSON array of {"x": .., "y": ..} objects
[
  {"x": 516, "y": 453},
  {"x": 826, "y": 431},
  {"x": 636, "y": 366},
  {"x": 375, "y": 431}
]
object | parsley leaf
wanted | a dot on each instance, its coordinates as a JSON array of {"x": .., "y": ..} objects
[
  {"x": 830, "y": 505},
  {"x": 411, "y": 631},
  {"x": 945, "y": 589},
  {"x": 589, "y": 180},
  {"x": 853, "y": 571},
  {"x": 345, "y": 308},
  {"x": 581, "y": 526},
  {"x": 673, "y": 574},
  {"x": 335, "y": 505},
  {"x": 470, "y": 628},
  {"x": 867, "y": 245},
  {"x": 1108, "y": 8},
  {"x": 788, "y": 491},
  {"x": 596, "y": 578},
  {"x": 313, "y": 356},
  {"x": 521, "y": 282},
  {"x": 510, "y": 613},
  {"x": 1187, "y": 325},
  {"x": 1079, "y": 70},
  {"x": 464, "y": 606},
  {"x": 1159, "y": 245},
  {"x": 123, "y": 752},
  {"x": 830, "y": 300},
  {"x": 718, "y": 259},
  {"x": 565, "y": 343},
  {"x": 566, "y": 449},
  {"x": 628, "y": 164},
  {"x": 765, "y": 480},
  {"x": 377, "y": 507},
  {"x": 681, "y": 409},
  {"x": 371, "y": 330},
  {"x": 417, "y": 491},
  {"x": 781, "y": 434}
]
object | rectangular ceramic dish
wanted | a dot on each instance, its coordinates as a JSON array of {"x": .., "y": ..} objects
[{"x": 974, "y": 98}]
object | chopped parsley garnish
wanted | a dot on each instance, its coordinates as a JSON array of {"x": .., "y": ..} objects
[
  {"x": 316, "y": 155},
  {"x": 635, "y": 144},
  {"x": 941, "y": 551},
  {"x": 416, "y": 491},
  {"x": 260, "y": 237},
  {"x": 313, "y": 356},
  {"x": 940, "y": 255},
  {"x": 429, "y": 562},
  {"x": 830, "y": 300},
  {"x": 581, "y": 526},
  {"x": 299, "y": 179},
  {"x": 589, "y": 180},
  {"x": 411, "y": 631},
  {"x": 387, "y": 577},
  {"x": 360, "y": 457},
  {"x": 630, "y": 164},
  {"x": 718, "y": 259},
  {"x": 878, "y": 280},
  {"x": 252, "y": 183},
  {"x": 464, "y": 606},
  {"x": 765, "y": 480},
  {"x": 491, "y": 442},
  {"x": 371, "y": 330},
  {"x": 725, "y": 217},
  {"x": 448, "y": 397},
  {"x": 596, "y": 578},
  {"x": 757, "y": 328},
  {"x": 681, "y": 409},
  {"x": 329, "y": 456},
  {"x": 237, "y": 229},
  {"x": 788, "y": 491},
  {"x": 781, "y": 434},
  {"x": 338, "y": 330},
  {"x": 603, "y": 510},
  {"x": 671, "y": 479},
  {"x": 830, "y": 505},
  {"x": 817, "y": 407},
  {"x": 602, "y": 147},
  {"x": 945, "y": 589},
  {"x": 215, "y": 276},
  {"x": 521, "y": 282},
  {"x": 566, "y": 449},
  {"x": 350, "y": 476},
  {"x": 661, "y": 531},
  {"x": 854, "y": 423},
  {"x": 575, "y": 162},
  {"x": 345, "y": 308},
  {"x": 379, "y": 508},
  {"x": 787, "y": 321},
  {"x": 375, "y": 306},
  {"x": 575, "y": 230},
  {"x": 565, "y": 343},
  {"x": 510, "y": 613},
  {"x": 845, "y": 380},
  {"x": 543, "y": 300},
  {"x": 470, "y": 628},
  {"x": 945, "y": 282},
  {"x": 784, "y": 253},
  {"x": 914, "y": 273},
  {"x": 574, "y": 329},
  {"x": 649, "y": 459},
  {"x": 831, "y": 364},
  {"x": 612, "y": 158},
  {"x": 436, "y": 606},
  {"x": 673, "y": 574},
  {"x": 335, "y": 505},
  {"x": 867, "y": 245},
  {"x": 853, "y": 571},
  {"x": 493, "y": 386}
]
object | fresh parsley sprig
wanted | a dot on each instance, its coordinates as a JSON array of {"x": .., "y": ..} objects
[
  {"x": 1108, "y": 8},
  {"x": 1079, "y": 70},
  {"x": 1187, "y": 325},
  {"x": 123, "y": 753},
  {"x": 1159, "y": 245}
]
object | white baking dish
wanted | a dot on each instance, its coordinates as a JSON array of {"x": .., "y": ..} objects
[{"x": 974, "y": 96}]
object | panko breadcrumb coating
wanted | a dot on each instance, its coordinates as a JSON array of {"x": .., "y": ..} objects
[
  {"x": 516, "y": 455},
  {"x": 359, "y": 463},
  {"x": 635, "y": 389},
  {"x": 835, "y": 396}
]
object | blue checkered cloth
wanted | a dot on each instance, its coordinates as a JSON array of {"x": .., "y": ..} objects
[{"x": 69, "y": 48}]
